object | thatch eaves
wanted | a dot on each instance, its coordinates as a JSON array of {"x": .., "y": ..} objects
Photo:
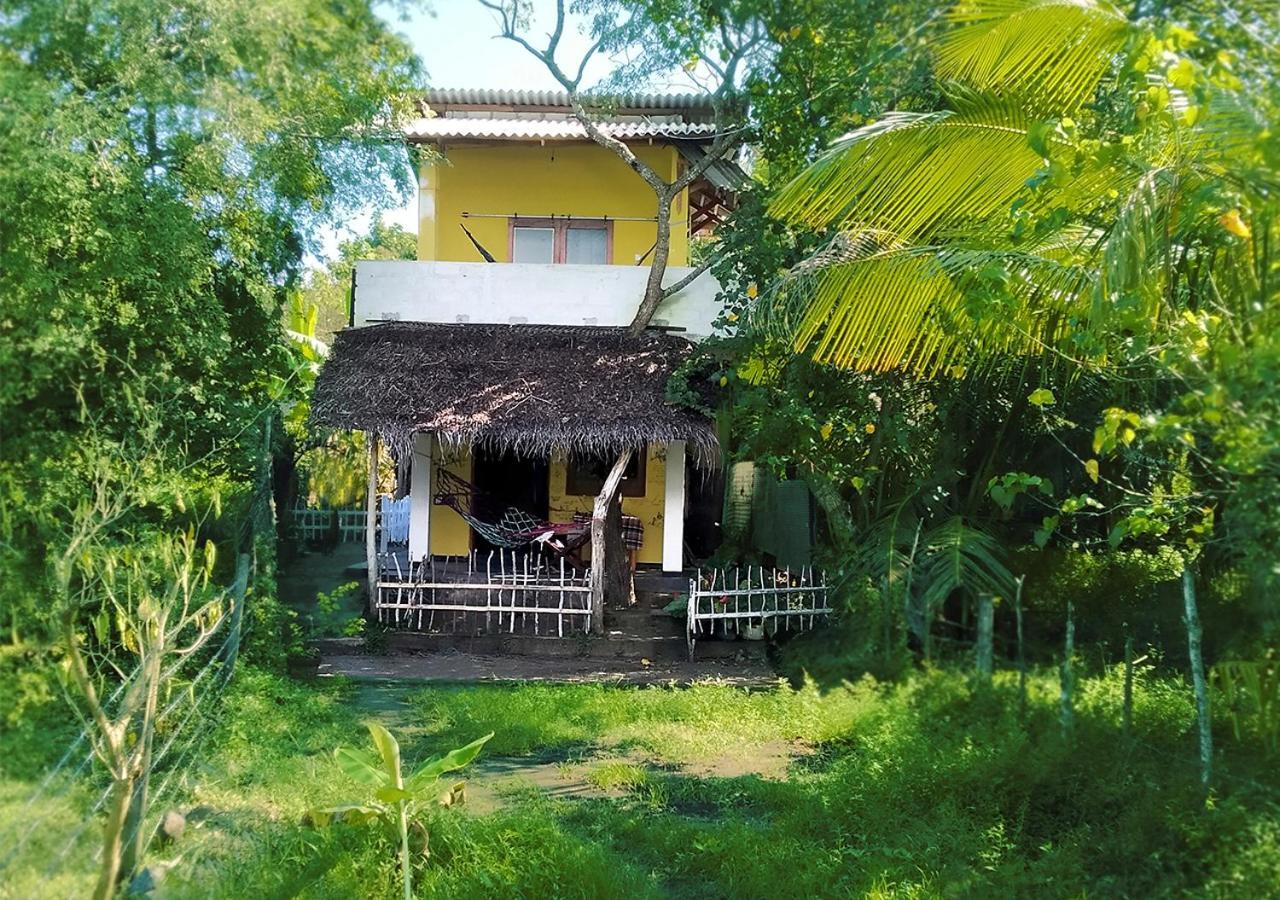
[{"x": 530, "y": 389}]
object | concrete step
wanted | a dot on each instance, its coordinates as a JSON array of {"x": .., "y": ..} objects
[{"x": 644, "y": 621}]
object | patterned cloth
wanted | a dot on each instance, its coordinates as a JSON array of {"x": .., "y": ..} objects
[{"x": 632, "y": 529}]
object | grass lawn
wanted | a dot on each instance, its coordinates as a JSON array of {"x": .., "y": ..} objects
[{"x": 926, "y": 787}]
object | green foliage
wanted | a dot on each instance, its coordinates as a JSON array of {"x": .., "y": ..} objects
[
  {"x": 1250, "y": 691},
  {"x": 166, "y": 167},
  {"x": 397, "y": 801},
  {"x": 1012, "y": 807}
]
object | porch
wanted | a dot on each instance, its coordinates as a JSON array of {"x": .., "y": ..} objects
[{"x": 501, "y": 436}]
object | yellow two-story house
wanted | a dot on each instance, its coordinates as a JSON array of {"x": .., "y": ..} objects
[{"x": 497, "y": 365}]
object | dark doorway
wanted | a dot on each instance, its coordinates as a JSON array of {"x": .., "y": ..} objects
[
  {"x": 506, "y": 480},
  {"x": 704, "y": 507}
]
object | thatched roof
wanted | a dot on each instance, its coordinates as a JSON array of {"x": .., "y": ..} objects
[{"x": 531, "y": 389}]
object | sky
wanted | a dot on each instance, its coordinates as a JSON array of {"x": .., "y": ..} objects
[{"x": 455, "y": 39}]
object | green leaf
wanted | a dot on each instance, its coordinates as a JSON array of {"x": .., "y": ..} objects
[
  {"x": 102, "y": 625},
  {"x": 448, "y": 762},
  {"x": 351, "y": 814},
  {"x": 388, "y": 749},
  {"x": 392, "y": 794},
  {"x": 1042, "y": 397},
  {"x": 1042, "y": 534},
  {"x": 1091, "y": 469},
  {"x": 361, "y": 766},
  {"x": 1001, "y": 497}
]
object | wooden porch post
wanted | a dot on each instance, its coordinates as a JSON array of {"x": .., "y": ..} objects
[
  {"x": 371, "y": 521},
  {"x": 602, "y": 565}
]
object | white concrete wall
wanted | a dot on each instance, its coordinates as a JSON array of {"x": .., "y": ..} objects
[
  {"x": 526, "y": 293},
  {"x": 673, "y": 509},
  {"x": 421, "y": 496}
]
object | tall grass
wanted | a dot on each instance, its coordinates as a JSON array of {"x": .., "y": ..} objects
[{"x": 929, "y": 786}]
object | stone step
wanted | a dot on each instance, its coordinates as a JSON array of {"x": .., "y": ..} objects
[{"x": 644, "y": 621}]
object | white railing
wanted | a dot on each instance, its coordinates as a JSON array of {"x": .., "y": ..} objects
[
  {"x": 763, "y": 601},
  {"x": 314, "y": 524},
  {"x": 492, "y": 593},
  {"x": 519, "y": 293}
]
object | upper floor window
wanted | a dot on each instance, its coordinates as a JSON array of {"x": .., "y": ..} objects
[{"x": 576, "y": 241}]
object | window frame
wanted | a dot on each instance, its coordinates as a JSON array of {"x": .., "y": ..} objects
[
  {"x": 578, "y": 483},
  {"x": 560, "y": 226}
]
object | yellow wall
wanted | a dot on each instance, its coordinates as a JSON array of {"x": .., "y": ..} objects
[
  {"x": 450, "y": 534},
  {"x": 560, "y": 179},
  {"x": 555, "y": 179},
  {"x": 648, "y": 509}
]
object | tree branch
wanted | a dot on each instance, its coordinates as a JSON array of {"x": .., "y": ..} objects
[{"x": 687, "y": 279}]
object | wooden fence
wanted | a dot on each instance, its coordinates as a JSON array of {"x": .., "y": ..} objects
[
  {"x": 497, "y": 592},
  {"x": 727, "y": 601}
]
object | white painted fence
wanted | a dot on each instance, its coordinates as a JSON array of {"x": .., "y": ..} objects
[
  {"x": 313, "y": 524},
  {"x": 497, "y": 592},
  {"x": 393, "y": 521},
  {"x": 725, "y": 601}
]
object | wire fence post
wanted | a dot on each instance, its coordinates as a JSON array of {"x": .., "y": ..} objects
[{"x": 239, "y": 588}]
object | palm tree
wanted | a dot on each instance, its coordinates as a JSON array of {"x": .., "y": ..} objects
[
  {"x": 1021, "y": 217},
  {"x": 1086, "y": 193}
]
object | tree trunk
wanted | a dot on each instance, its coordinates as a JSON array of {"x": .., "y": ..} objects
[
  {"x": 1022, "y": 658},
  {"x": 606, "y": 517},
  {"x": 839, "y": 521},
  {"x": 113, "y": 831},
  {"x": 371, "y": 522},
  {"x": 657, "y": 268},
  {"x": 984, "y": 651},
  {"x": 1195, "y": 652},
  {"x": 1066, "y": 675}
]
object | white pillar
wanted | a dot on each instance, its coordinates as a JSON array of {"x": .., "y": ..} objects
[
  {"x": 420, "y": 497},
  {"x": 673, "y": 509}
]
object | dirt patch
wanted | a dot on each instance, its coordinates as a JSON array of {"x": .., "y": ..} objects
[
  {"x": 491, "y": 780},
  {"x": 770, "y": 760}
]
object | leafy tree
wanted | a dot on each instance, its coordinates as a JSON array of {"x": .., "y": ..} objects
[
  {"x": 1095, "y": 189},
  {"x": 166, "y": 163},
  {"x": 328, "y": 287}
]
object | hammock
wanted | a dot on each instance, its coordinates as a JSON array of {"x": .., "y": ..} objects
[{"x": 507, "y": 527}]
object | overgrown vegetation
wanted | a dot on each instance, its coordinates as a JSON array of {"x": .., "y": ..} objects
[
  {"x": 1002, "y": 291},
  {"x": 926, "y": 786}
]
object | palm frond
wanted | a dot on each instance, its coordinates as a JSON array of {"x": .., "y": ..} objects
[
  {"x": 956, "y": 556},
  {"x": 914, "y": 173},
  {"x": 870, "y": 304},
  {"x": 1050, "y": 53}
]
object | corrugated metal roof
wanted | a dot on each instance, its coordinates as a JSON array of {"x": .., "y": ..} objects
[
  {"x": 510, "y": 97},
  {"x": 516, "y": 129},
  {"x": 723, "y": 173}
]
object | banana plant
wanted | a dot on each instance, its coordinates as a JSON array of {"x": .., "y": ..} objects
[{"x": 397, "y": 800}]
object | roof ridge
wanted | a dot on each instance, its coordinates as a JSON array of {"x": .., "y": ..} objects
[{"x": 528, "y": 97}]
